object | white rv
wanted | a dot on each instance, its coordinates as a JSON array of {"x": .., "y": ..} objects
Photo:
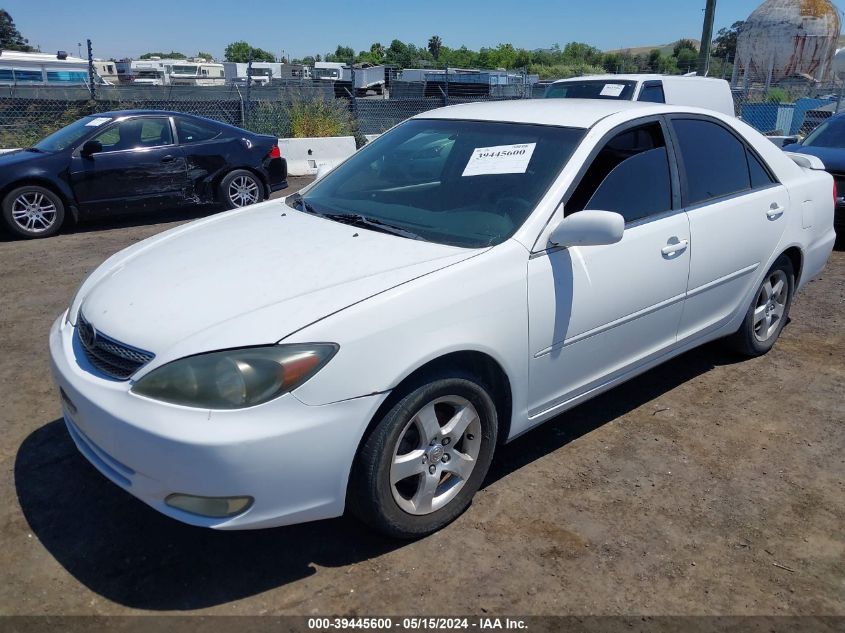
[
  {"x": 197, "y": 73},
  {"x": 43, "y": 69},
  {"x": 154, "y": 71}
]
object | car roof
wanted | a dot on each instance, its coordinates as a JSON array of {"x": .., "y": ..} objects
[
  {"x": 579, "y": 113},
  {"x": 637, "y": 77},
  {"x": 137, "y": 112}
]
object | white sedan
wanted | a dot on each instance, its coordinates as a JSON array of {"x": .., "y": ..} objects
[{"x": 479, "y": 269}]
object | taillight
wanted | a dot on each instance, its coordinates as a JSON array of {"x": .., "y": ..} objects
[{"x": 275, "y": 152}]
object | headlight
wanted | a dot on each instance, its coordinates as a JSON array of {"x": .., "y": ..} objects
[{"x": 235, "y": 378}]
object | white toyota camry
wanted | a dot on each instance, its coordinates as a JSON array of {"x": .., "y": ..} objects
[{"x": 478, "y": 269}]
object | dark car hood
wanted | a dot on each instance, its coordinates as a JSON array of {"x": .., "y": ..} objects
[
  {"x": 832, "y": 157},
  {"x": 19, "y": 156}
]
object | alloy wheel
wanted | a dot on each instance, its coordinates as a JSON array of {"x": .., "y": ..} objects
[
  {"x": 435, "y": 455},
  {"x": 34, "y": 212},
  {"x": 771, "y": 305},
  {"x": 243, "y": 191}
]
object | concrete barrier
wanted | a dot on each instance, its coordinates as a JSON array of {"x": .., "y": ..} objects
[
  {"x": 306, "y": 155},
  {"x": 371, "y": 137}
]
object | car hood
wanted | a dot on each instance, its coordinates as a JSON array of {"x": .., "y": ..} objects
[
  {"x": 247, "y": 277},
  {"x": 19, "y": 156},
  {"x": 832, "y": 157}
]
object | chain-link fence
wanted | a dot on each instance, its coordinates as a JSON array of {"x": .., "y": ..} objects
[{"x": 302, "y": 108}]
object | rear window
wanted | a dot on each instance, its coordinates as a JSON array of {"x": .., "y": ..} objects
[{"x": 592, "y": 89}]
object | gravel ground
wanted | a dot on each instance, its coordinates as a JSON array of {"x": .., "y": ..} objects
[{"x": 710, "y": 485}]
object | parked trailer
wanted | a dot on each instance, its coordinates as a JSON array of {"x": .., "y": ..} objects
[
  {"x": 367, "y": 77},
  {"x": 42, "y": 69}
]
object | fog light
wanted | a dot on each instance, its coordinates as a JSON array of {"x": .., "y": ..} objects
[{"x": 216, "y": 507}]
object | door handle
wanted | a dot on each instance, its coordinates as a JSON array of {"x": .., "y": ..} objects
[
  {"x": 168, "y": 159},
  {"x": 775, "y": 211},
  {"x": 674, "y": 247}
]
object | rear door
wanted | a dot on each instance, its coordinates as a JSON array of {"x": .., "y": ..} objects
[
  {"x": 737, "y": 214},
  {"x": 139, "y": 168}
]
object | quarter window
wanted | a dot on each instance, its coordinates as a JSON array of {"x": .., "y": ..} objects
[
  {"x": 630, "y": 176},
  {"x": 714, "y": 160},
  {"x": 759, "y": 176},
  {"x": 194, "y": 132}
]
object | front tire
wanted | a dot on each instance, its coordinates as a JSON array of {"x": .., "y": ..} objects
[
  {"x": 31, "y": 212},
  {"x": 426, "y": 458},
  {"x": 241, "y": 188},
  {"x": 768, "y": 312}
]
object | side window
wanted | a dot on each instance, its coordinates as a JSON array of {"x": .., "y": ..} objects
[
  {"x": 759, "y": 176},
  {"x": 630, "y": 175},
  {"x": 136, "y": 133},
  {"x": 194, "y": 131},
  {"x": 652, "y": 93},
  {"x": 714, "y": 160}
]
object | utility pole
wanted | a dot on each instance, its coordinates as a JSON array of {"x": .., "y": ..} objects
[{"x": 706, "y": 38}]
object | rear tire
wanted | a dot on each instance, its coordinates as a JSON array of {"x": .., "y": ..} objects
[
  {"x": 241, "y": 188},
  {"x": 32, "y": 212},
  {"x": 768, "y": 312},
  {"x": 426, "y": 458}
]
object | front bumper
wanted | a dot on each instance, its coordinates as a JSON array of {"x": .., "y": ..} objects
[{"x": 294, "y": 459}]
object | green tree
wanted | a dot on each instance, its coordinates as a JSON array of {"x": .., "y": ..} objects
[
  {"x": 10, "y": 38},
  {"x": 724, "y": 46},
  {"x": 342, "y": 54},
  {"x": 240, "y": 52},
  {"x": 377, "y": 50},
  {"x": 170, "y": 55},
  {"x": 434, "y": 46},
  {"x": 684, "y": 44},
  {"x": 207, "y": 56}
]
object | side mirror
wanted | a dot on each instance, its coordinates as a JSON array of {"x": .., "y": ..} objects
[
  {"x": 588, "y": 228},
  {"x": 90, "y": 148}
]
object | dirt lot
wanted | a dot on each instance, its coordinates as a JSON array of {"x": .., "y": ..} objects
[{"x": 709, "y": 485}]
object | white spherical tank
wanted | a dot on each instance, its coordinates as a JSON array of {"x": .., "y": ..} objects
[{"x": 784, "y": 38}]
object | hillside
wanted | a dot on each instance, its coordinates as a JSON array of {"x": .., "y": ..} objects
[{"x": 665, "y": 49}]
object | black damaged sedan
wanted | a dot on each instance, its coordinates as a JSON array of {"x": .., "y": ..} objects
[{"x": 135, "y": 160}]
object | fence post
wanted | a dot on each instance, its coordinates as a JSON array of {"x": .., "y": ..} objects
[
  {"x": 248, "y": 104},
  {"x": 91, "y": 87},
  {"x": 353, "y": 94}
]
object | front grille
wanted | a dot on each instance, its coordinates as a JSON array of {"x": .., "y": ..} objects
[{"x": 111, "y": 357}]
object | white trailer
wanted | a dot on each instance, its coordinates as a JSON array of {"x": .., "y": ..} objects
[{"x": 43, "y": 69}]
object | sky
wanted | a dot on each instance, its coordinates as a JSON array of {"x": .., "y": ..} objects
[{"x": 296, "y": 29}]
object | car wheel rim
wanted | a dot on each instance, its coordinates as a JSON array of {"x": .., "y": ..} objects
[
  {"x": 243, "y": 190},
  {"x": 34, "y": 212},
  {"x": 435, "y": 455},
  {"x": 770, "y": 306}
]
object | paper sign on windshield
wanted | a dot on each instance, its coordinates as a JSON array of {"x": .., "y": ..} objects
[
  {"x": 98, "y": 121},
  {"x": 612, "y": 90},
  {"x": 501, "y": 159}
]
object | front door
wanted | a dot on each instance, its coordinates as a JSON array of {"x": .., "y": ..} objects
[
  {"x": 595, "y": 311},
  {"x": 139, "y": 168}
]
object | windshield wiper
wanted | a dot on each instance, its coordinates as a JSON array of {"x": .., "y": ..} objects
[
  {"x": 356, "y": 219},
  {"x": 297, "y": 199}
]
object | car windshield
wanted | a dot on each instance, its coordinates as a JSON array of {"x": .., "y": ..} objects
[
  {"x": 592, "y": 89},
  {"x": 463, "y": 183},
  {"x": 831, "y": 133},
  {"x": 68, "y": 135}
]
